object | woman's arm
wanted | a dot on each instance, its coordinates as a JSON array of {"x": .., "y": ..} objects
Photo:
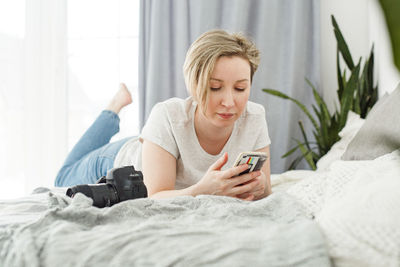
[{"x": 159, "y": 171}]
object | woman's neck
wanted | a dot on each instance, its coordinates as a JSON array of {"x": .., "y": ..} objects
[{"x": 211, "y": 138}]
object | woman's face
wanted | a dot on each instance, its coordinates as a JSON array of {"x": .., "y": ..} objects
[{"x": 229, "y": 90}]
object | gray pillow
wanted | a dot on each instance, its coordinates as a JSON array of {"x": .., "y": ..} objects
[{"x": 380, "y": 133}]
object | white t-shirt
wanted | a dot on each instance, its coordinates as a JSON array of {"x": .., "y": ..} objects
[{"x": 171, "y": 126}]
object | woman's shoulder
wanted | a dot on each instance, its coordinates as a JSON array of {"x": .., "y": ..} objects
[
  {"x": 254, "y": 109},
  {"x": 175, "y": 102},
  {"x": 175, "y": 108},
  {"x": 253, "y": 120}
]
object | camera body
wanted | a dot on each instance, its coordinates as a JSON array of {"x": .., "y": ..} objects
[{"x": 120, "y": 184}]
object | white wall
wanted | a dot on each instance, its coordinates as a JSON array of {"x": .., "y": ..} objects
[{"x": 362, "y": 23}]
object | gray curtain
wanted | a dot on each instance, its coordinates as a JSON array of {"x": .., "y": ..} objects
[{"x": 285, "y": 31}]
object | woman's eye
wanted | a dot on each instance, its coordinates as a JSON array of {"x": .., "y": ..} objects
[
  {"x": 240, "y": 89},
  {"x": 215, "y": 88}
]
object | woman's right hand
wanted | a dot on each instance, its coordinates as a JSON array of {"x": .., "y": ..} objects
[{"x": 227, "y": 182}]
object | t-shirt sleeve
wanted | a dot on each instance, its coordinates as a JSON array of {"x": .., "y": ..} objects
[
  {"x": 263, "y": 139},
  {"x": 158, "y": 130}
]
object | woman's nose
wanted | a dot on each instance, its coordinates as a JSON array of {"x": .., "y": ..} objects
[{"x": 228, "y": 99}]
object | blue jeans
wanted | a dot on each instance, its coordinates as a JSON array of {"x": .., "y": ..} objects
[{"x": 93, "y": 155}]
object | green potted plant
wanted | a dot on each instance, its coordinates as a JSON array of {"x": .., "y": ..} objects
[
  {"x": 391, "y": 9},
  {"x": 356, "y": 93}
]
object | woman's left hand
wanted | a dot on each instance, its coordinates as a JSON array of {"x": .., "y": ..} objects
[{"x": 258, "y": 191}]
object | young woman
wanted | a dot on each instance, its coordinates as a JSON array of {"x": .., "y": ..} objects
[{"x": 184, "y": 146}]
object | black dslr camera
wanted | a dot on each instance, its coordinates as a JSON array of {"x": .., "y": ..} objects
[{"x": 120, "y": 184}]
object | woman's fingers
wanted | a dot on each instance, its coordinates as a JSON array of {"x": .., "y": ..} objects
[
  {"x": 241, "y": 189},
  {"x": 235, "y": 171},
  {"x": 258, "y": 192},
  {"x": 245, "y": 178},
  {"x": 244, "y": 196},
  {"x": 249, "y": 198},
  {"x": 229, "y": 182},
  {"x": 219, "y": 163}
]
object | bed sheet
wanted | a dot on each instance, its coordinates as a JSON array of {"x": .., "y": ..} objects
[{"x": 50, "y": 229}]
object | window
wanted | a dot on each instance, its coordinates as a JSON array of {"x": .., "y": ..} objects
[
  {"x": 61, "y": 62},
  {"x": 12, "y": 34},
  {"x": 102, "y": 52}
]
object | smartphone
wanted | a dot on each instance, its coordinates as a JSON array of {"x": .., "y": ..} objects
[{"x": 254, "y": 159}]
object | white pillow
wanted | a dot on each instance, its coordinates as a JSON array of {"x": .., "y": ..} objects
[
  {"x": 380, "y": 133},
  {"x": 360, "y": 219},
  {"x": 353, "y": 124}
]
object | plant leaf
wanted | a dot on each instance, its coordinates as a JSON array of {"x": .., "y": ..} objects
[
  {"x": 348, "y": 95},
  {"x": 291, "y": 151},
  {"x": 325, "y": 119},
  {"x": 302, "y": 107},
  {"x": 321, "y": 103},
  {"x": 307, "y": 155},
  {"x": 304, "y": 135},
  {"x": 295, "y": 162},
  {"x": 371, "y": 90},
  {"x": 342, "y": 45},
  {"x": 339, "y": 77},
  {"x": 370, "y": 72}
]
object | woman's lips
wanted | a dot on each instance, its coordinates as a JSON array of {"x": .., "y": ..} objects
[{"x": 225, "y": 116}]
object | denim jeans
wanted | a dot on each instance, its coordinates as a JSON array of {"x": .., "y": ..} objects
[{"x": 93, "y": 155}]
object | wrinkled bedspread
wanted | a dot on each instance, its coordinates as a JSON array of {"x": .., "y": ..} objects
[{"x": 49, "y": 229}]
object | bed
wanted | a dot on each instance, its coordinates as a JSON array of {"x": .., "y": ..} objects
[{"x": 347, "y": 213}]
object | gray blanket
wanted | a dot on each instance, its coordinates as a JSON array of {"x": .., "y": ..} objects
[{"x": 185, "y": 231}]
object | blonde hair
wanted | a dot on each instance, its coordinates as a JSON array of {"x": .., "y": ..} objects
[{"x": 204, "y": 53}]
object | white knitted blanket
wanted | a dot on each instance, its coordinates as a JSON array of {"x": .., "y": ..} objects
[{"x": 357, "y": 206}]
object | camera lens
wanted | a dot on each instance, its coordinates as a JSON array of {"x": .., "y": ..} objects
[
  {"x": 103, "y": 195},
  {"x": 83, "y": 188}
]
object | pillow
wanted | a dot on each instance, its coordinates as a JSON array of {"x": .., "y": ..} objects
[
  {"x": 361, "y": 220},
  {"x": 353, "y": 125},
  {"x": 380, "y": 133}
]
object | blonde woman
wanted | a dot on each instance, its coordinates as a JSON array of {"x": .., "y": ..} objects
[{"x": 188, "y": 146}]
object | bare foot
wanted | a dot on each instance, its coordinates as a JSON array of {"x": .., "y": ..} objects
[{"x": 121, "y": 99}]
